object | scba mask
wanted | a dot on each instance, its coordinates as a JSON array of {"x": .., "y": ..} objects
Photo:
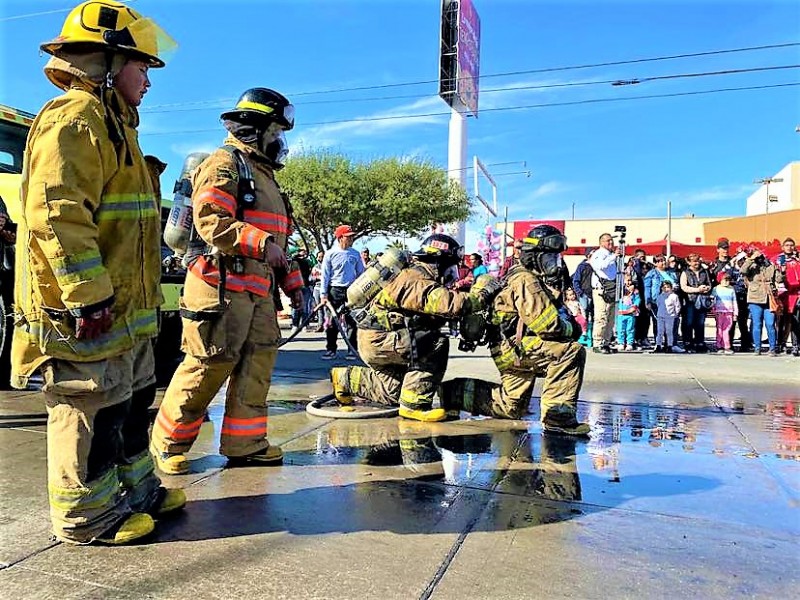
[
  {"x": 550, "y": 264},
  {"x": 547, "y": 264},
  {"x": 277, "y": 151}
]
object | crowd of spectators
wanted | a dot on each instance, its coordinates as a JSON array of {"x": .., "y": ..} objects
[
  {"x": 659, "y": 304},
  {"x": 670, "y": 298}
]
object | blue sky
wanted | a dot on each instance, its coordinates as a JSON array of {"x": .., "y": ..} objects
[{"x": 618, "y": 159}]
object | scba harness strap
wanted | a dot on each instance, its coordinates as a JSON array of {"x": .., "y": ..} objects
[{"x": 245, "y": 199}]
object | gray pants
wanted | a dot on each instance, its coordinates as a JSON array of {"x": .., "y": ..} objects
[{"x": 665, "y": 329}]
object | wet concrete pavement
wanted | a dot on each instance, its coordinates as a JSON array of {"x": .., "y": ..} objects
[{"x": 690, "y": 485}]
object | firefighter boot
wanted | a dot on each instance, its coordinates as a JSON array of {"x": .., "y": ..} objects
[
  {"x": 171, "y": 464},
  {"x": 170, "y": 501},
  {"x": 135, "y": 527},
  {"x": 431, "y": 415},
  {"x": 269, "y": 456},
  {"x": 340, "y": 378},
  {"x": 564, "y": 423}
]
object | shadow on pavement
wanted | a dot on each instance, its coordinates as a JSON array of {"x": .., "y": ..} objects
[{"x": 543, "y": 474}]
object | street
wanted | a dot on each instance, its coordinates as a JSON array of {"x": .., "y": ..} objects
[{"x": 690, "y": 486}]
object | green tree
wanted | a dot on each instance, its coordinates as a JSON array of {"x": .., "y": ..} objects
[{"x": 384, "y": 197}]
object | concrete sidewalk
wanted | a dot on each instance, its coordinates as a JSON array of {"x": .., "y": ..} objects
[{"x": 689, "y": 486}]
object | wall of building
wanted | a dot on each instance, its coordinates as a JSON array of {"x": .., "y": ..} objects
[
  {"x": 586, "y": 232},
  {"x": 786, "y": 194},
  {"x": 756, "y": 228}
]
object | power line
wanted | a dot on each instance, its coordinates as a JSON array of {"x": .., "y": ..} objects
[
  {"x": 511, "y": 73},
  {"x": 46, "y": 12},
  {"x": 510, "y": 108},
  {"x": 543, "y": 86}
]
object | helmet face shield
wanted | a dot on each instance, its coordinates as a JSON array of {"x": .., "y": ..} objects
[
  {"x": 152, "y": 41},
  {"x": 550, "y": 243}
]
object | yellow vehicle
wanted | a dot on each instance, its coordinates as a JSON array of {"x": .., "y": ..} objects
[{"x": 14, "y": 126}]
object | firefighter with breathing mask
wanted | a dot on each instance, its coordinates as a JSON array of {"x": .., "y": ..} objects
[
  {"x": 400, "y": 337},
  {"x": 242, "y": 221},
  {"x": 88, "y": 272},
  {"x": 534, "y": 334}
]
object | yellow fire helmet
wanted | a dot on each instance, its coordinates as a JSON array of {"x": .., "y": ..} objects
[{"x": 111, "y": 24}]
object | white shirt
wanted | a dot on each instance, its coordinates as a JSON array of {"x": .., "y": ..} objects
[{"x": 604, "y": 265}]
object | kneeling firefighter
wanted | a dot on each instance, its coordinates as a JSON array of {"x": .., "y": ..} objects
[
  {"x": 534, "y": 334},
  {"x": 399, "y": 334},
  {"x": 230, "y": 326}
]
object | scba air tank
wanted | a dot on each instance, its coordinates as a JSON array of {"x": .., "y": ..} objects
[
  {"x": 376, "y": 277},
  {"x": 179, "y": 223}
]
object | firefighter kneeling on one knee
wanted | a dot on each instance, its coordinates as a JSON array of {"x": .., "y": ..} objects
[
  {"x": 230, "y": 326},
  {"x": 399, "y": 334},
  {"x": 531, "y": 333}
]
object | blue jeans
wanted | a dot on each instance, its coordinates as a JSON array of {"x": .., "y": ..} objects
[
  {"x": 760, "y": 313},
  {"x": 695, "y": 326}
]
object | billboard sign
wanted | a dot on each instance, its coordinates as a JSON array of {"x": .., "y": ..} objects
[
  {"x": 469, "y": 55},
  {"x": 521, "y": 228}
]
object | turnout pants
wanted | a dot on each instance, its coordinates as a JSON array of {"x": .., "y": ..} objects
[
  {"x": 394, "y": 376},
  {"x": 98, "y": 468},
  {"x": 561, "y": 364},
  {"x": 240, "y": 343}
]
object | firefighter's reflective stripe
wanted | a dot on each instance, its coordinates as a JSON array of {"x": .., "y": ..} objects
[
  {"x": 268, "y": 221},
  {"x": 218, "y": 198},
  {"x": 132, "y": 474},
  {"x": 413, "y": 399},
  {"x": 255, "y": 426},
  {"x": 208, "y": 272},
  {"x": 125, "y": 207},
  {"x": 178, "y": 431},
  {"x": 469, "y": 394},
  {"x": 84, "y": 266},
  {"x": 98, "y": 495},
  {"x": 292, "y": 281},
  {"x": 252, "y": 241},
  {"x": 436, "y": 301},
  {"x": 546, "y": 318},
  {"x": 354, "y": 379},
  {"x": 144, "y": 324}
]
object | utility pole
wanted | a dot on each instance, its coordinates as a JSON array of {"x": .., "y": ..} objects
[{"x": 765, "y": 182}]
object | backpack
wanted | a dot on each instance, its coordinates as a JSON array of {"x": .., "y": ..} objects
[{"x": 585, "y": 278}]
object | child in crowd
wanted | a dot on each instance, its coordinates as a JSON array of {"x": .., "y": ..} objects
[
  {"x": 627, "y": 311},
  {"x": 726, "y": 310},
  {"x": 574, "y": 307},
  {"x": 669, "y": 308}
]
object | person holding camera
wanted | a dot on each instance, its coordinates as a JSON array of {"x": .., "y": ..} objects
[
  {"x": 696, "y": 283},
  {"x": 604, "y": 286},
  {"x": 762, "y": 279}
]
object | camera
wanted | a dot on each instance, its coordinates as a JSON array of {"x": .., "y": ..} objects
[{"x": 621, "y": 230}]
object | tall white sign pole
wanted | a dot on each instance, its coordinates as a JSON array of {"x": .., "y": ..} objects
[{"x": 457, "y": 161}]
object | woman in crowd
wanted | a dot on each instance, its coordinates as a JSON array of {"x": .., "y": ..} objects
[
  {"x": 763, "y": 279},
  {"x": 696, "y": 284}
]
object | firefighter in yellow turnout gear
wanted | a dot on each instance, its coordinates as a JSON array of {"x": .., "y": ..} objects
[
  {"x": 535, "y": 336},
  {"x": 230, "y": 326},
  {"x": 87, "y": 277},
  {"x": 400, "y": 337}
]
